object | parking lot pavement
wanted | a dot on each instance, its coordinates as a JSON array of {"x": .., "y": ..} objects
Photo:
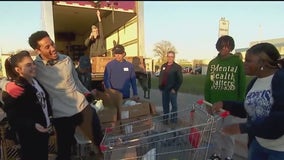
[{"x": 186, "y": 100}]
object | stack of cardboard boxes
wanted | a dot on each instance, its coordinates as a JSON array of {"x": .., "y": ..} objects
[
  {"x": 111, "y": 101},
  {"x": 124, "y": 120},
  {"x": 116, "y": 114}
]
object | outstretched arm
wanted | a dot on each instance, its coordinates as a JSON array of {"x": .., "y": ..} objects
[{"x": 99, "y": 15}]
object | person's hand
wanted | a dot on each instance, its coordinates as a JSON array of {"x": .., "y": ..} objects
[
  {"x": 95, "y": 34},
  {"x": 89, "y": 97},
  {"x": 217, "y": 107},
  {"x": 209, "y": 109},
  {"x": 40, "y": 128},
  {"x": 231, "y": 129},
  {"x": 173, "y": 91},
  {"x": 91, "y": 35},
  {"x": 94, "y": 92},
  {"x": 14, "y": 90}
]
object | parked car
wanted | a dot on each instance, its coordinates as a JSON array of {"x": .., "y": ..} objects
[
  {"x": 187, "y": 70},
  {"x": 197, "y": 70}
]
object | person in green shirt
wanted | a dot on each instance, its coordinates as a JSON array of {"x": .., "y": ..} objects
[{"x": 225, "y": 80}]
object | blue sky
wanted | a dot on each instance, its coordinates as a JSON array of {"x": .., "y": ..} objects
[
  {"x": 18, "y": 21},
  {"x": 192, "y": 27}
]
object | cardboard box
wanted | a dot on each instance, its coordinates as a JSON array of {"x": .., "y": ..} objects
[
  {"x": 110, "y": 97},
  {"x": 138, "y": 124},
  {"x": 152, "y": 106},
  {"x": 153, "y": 110},
  {"x": 134, "y": 111},
  {"x": 99, "y": 64},
  {"x": 108, "y": 114},
  {"x": 128, "y": 153},
  {"x": 114, "y": 127},
  {"x": 86, "y": 125}
]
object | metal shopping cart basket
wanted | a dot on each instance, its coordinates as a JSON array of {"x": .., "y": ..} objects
[
  {"x": 150, "y": 139},
  {"x": 9, "y": 149},
  {"x": 9, "y": 146}
]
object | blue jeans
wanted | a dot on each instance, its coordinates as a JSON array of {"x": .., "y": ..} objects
[
  {"x": 257, "y": 152},
  {"x": 167, "y": 98}
]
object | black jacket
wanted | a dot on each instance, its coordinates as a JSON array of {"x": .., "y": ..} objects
[
  {"x": 26, "y": 110},
  {"x": 174, "y": 77}
]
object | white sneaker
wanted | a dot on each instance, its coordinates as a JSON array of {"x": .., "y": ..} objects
[{"x": 214, "y": 157}]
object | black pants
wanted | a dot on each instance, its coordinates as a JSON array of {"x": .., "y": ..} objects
[
  {"x": 34, "y": 145},
  {"x": 97, "y": 129},
  {"x": 65, "y": 129}
]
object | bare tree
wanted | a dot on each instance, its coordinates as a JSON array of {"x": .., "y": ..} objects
[{"x": 161, "y": 49}]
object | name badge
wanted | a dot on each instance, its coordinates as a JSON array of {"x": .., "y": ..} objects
[{"x": 125, "y": 69}]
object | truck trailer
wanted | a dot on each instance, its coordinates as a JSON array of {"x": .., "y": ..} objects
[{"x": 69, "y": 24}]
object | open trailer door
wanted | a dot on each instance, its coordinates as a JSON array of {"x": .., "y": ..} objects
[{"x": 69, "y": 23}]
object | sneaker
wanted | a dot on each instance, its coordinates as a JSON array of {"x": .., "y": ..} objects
[
  {"x": 228, "y": 158},
  {"x": 214, "y": 157}
]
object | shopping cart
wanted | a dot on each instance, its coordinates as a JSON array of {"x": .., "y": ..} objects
[
  {"x": 9, "y": 146},
  {"x": 151, "y": 139},
  {"x": 9, "y": 149}
]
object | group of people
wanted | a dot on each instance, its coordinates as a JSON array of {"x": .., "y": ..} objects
[
  {"x": 260, "y": 102},
  {"x": 46, "y": 93}
]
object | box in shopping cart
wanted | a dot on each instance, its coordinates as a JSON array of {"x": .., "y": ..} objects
[
  {"x": 140, "y": 109},
  {"x": 152, "y": 106},
  {"x": 126, "y": 153},
  {"x": 153, "y": 109},
  {"x": 137, "y": 124},
  {"x": 165, "y": 142},
  {"x": 110, "y": 97},
  {"x": 108, "y": 114},
  {"x": 114, "y": 125}
]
